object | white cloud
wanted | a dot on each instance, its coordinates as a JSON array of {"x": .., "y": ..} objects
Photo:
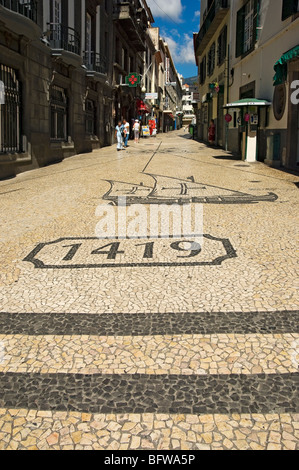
[
  {"x": 168, "y": 8},
  {"x": 197, "y": 15},
  {"x": 182, "y": 50}
]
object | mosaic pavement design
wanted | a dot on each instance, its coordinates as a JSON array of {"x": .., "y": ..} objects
[{"x": 190, "y": 355}]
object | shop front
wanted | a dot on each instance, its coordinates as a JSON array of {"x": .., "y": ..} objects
[
  {"x": 286, "y": 83},
  {"x": 249, "y": 120},
  {"x": 169, "y": 121}
]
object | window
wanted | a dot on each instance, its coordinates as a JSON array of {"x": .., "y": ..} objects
[
  {"x": 88, "y": 47},
  {"x": 90, "y": 110},
  {"x": 222, "y": 46},
  {"x": 248, "y": 26},
  {"x": 58, "y": 114},
  {"x": 117, "y": 50},
  {"x": 247, "y": 21},
  {"x": 211, "y": 60},
  {"x": 289, "y": 8},
  {"x": 123, "y": 58},
  {"x": 131, "y": 67},
  {"x": 203, "y": 70},
  {"x": 10, "y": 112},
  {"x": 57, "y": 10}
]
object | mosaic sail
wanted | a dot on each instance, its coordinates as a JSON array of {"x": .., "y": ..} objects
[{"x": 168, "y": 190}]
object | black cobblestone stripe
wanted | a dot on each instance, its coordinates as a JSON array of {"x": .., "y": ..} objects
[
  {"x": 144, "y": 324},
  {"x": 223, "y": 394}
]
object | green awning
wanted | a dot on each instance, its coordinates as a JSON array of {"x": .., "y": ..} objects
[
  {"x": 281, "y": 66},
  {"x": 247, "y": 102}
]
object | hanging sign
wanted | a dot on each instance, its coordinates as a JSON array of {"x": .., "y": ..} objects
[
  {"x": 151, "y": 96},
  {"x": 133, "y": 79}
]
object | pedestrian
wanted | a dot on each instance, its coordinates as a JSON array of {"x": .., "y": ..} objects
[
  {"x": 126, "y": 132},
  {"x": 212, "y": 132},
  {"x": 119, "y": 135},
  {"x": 136, "y": 128}
]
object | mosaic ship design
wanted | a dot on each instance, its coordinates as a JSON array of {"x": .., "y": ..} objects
[{"x": 168, "y": 190}]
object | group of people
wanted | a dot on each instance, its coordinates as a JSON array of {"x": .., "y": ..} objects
[{"x": 122, "y": 133}]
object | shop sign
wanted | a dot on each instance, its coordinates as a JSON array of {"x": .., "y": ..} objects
[
  {"x": 133, "y": 79},
  {"x": 145, "y": 131},
  {"x": 151, "y": 96}
]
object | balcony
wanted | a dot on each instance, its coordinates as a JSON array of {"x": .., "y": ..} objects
[
  {"x": 134, "y": 23},
  {"x": 25, "y": 8},
  {"x": 210, "y": 25},
  {"x": 94, "y": 63},
  {"x": 62, "y": 38}
]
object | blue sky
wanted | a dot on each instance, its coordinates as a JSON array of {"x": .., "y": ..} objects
[{"x": 178, "y": 20}]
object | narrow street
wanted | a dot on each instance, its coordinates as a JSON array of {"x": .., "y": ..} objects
[{"x": 121, "y": 344}]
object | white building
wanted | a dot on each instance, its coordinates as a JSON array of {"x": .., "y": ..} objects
[
  {"x": 188, "y": 109},
  {"x": 263, "y": 110},
  {"x": 262, "y": 34}
]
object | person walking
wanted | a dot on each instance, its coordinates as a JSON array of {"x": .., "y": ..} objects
[
  {"x": 126, "y": 132},
  {"x": 119, "y": 136},
  {"x": 136, "y": 128},
  {"x": 212, "y": 132}
]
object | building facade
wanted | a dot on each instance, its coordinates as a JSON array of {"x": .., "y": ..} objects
[
  {"x": 173, "y": 94},
  {"x": 188, "y": 104},
  {"x": 64, "y": 66},
  {"x": 266, "y": 35},
  {"x": 131, "y": 21},
  {"x": 57, "y": 81},
  {"x": 262, "y": 78},
  {"x": 211, "y": 53}
]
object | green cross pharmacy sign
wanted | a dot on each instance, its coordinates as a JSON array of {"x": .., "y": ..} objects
[{"x": 133, "y": 79}]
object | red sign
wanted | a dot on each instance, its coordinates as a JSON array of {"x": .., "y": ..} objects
[
  {"x": 141, "y": 106},
  {"x": 228, "y": 117}
]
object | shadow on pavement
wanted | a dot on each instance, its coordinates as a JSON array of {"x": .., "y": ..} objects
[
  {"x": 227, "y": 157},
  {"x": 187, "y": 136}
]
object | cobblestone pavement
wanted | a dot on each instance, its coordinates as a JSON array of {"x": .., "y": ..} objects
[{"x": 155, "y": 343}]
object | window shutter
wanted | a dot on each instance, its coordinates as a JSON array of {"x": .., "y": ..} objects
[
  {"x": 224, "y": 43},
  {"x": 256, "y": 20},
  {"x": 222, "y": 46},
  {"x": 240, "y": 32}
]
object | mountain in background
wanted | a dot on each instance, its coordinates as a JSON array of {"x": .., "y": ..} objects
[{"x": 190, "y": 80}]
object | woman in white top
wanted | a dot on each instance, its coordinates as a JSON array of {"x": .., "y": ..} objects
[{"x": 136, "y": 128}]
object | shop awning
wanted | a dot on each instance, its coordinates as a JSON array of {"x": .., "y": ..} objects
[
  {"x": 142, "y": 106},
  {"x": 169, "y": 112},
  {"x": 247, "y": 102},
  {"x": 281, "y": 66}
]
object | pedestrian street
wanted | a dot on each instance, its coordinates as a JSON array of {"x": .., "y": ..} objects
[{"x": 187, "y": 341}]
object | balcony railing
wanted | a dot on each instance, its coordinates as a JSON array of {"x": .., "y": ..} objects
[
  {"x": 95, "y": 62},
  {"x": 25, "y": 8},
  {"x": 64, "y": 38},
  {"x": 217, "y": 7}
]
